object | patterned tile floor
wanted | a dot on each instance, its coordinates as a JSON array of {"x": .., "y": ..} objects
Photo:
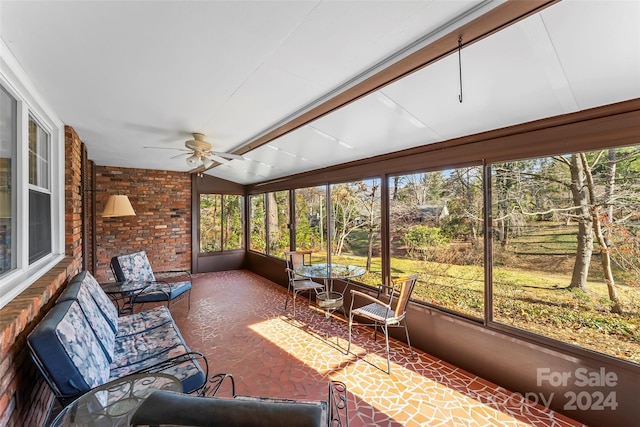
[{"x": 237, "y": 320}]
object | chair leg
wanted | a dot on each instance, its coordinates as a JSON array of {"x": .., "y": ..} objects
[
  {"x": 406, "y": 332},
  {"x": 350, "y": 325},
  {"x": 385, "y": 328},
  {"x": 286, "y": 301},
  {"x": 294, "y": 303}
]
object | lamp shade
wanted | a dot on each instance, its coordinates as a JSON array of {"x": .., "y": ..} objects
[{"x": 118, "y": 205}]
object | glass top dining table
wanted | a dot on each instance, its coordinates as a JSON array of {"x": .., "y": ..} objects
[
  {"x": 330, "y": 271},
  {"x": 329, "y": 300}
]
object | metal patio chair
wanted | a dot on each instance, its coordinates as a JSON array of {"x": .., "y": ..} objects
[
  {"x": 169, "y": 286},
  {"x": 391, "y": 313},
  {"x": 297, "y": 283}
]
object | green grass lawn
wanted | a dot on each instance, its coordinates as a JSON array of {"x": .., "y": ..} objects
[{"x": 530, "y": 292}]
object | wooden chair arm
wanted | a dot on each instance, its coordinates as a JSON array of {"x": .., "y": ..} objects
[{"x": 368, "y": 298}]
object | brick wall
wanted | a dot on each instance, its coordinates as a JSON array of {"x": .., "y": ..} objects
[
  {"x": 161, "y": 227},
  {"x": 24, "y": 397},
  {"x": 73, "y": 187}
]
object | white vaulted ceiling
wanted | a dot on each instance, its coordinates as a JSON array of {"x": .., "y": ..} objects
[{"x": 126, "y": 75}]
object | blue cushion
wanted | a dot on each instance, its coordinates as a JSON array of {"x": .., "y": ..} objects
[
  {"x": 143, "y": 320},
  {"x": 101, "y": 327},
  {"x": 146, "y": 345},
  {"x": 101, "y": 299},
  {"x": 161, "y": 290},
  {"x": 107, "y": 307},
  {"x": 69, "y": 351},
  {"x": 134, "y": 267},
  {"x": 146, "y": 348}
]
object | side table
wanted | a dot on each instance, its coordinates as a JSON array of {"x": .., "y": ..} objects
[
  {"x": 124, "y": 294},
  {"x": 113, "y": 404}
]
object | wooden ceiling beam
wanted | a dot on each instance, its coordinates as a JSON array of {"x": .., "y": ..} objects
[{"x": 495, "y": 20}]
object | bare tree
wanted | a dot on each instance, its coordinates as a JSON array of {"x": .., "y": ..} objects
[
  {"x": 272, "y": 221},
  {"x": 503, "y": 183},
  {"x": 465, "y": 185},
  {"x": 372, "y": 208},
  {"x": 598, "y": 218},
  {"x": 347, "y": 215},
  {"x": 609, "y": 189}
]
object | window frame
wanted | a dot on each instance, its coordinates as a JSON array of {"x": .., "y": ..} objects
[
  {"x": 481, "y": 319},
  {"x": 16, "y": 83},
  {"x": 269, "y": 232},
  {"x": 250, "y": 223},
  {"x": 43, "y": 178},
  {"x": 40, "y": 189},
  {"x": 222, "y": 222}
]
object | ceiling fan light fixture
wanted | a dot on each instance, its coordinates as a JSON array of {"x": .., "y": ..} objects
[
  {"x": 207, "y": 162},
  {"x": 193, "y": 160}
]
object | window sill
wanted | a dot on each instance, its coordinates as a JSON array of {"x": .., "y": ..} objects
[{"x": 25, "y": 307}]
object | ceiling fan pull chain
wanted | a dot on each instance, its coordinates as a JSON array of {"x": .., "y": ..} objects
[{"x": 460, "y": 66}]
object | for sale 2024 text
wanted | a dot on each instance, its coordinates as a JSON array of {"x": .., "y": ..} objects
[{"x": 596, "y": 396}]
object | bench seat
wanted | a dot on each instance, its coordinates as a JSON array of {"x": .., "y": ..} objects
[{"x": 81, "y": 343}]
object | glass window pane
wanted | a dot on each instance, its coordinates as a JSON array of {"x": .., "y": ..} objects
[
  {"x": 38, "y": 155},
  {"x": 221, "y": 223},
  {"x": 355, "y": 238},
  {"x": 278, "y": 223},
  {"x": 436, "y": 230},
  {"x": 311, "y": 221},
  {"x": 233, "y": 235},
  {"x": 566, "y": 248},
  {"x": 258, "y": 224},
  {"x": 39, "y": 225},
  {"x": 8, "y": 144},
  {"x": 210, "y": 222}
]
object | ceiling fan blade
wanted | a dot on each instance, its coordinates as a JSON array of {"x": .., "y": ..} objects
[
  {"x": 217, "y": 158},
  {"x": 202, "y": 168},
  {"x": 229, "y": 156},
  {"x": 168, "y": 148},
  {"x": 180, "y": 155}
]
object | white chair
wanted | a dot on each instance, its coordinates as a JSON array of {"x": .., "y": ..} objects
[
  {"x": 297, "y": 283},
  {"x": 385, "y": 314}
]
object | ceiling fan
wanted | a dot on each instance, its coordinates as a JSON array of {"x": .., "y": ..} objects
[{"x": 200, "y": 157}]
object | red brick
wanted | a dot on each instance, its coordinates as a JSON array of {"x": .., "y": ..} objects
[{"x": 161, "y": 227}]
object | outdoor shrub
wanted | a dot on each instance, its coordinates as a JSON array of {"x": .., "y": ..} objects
[{"x": 420, "y": 237}]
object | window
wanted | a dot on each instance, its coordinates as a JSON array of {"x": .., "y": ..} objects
[
  {"x": 258, "y": 224},
  {"x": 566, "y": 248},
  {"x": 311, "y": 221},
  {"x": 210, "y": 223},
  {"x": 221, "y": 224},
  {"x": 278, "y": 223},
  {"x": 39, "y": 192},
  {"x": 31, "y": 183},
  {"x": 435, "y": 227},
  {"x": 232, "y": 223},
  {"x": 355, "y": 227},
  {"x": 8, "y": 145},
  {"x": 270, "y": 223},
  {"x": 38, "y": 155}
]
